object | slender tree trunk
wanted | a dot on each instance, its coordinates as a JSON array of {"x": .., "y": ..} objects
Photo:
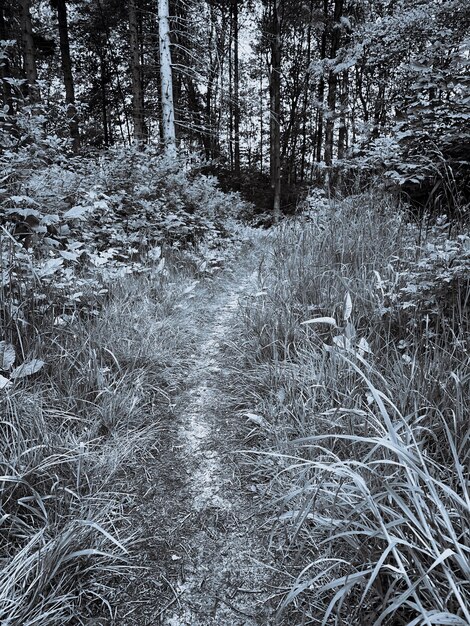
[
  {"x": 218, "y": 97},
  {"x": 306, "y": 95},
  {"x": 332, "y": 84},
  {"x": 321, "y": 86},
  {"x": 343, "y": 128},
  {"x": 230, "y": 95},
  {"x": 379, "y": 106},
  {"x": 67, "y": 74},
  {"x": 236, "y": 92},
  {"x": 136, "y": 72},
  {"x": 276, "y": 109},
  {"x": 261, "y": 124},
  {"x": 104, "y": 100},
  {"x": 29, "y": 52},
  {"x": 166, "y": 79},
  {"x": 5, "y": 65},
  {"x": 360, "y": 93}
]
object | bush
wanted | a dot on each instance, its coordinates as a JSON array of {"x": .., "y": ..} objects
[{"x": 71, "y": 226}]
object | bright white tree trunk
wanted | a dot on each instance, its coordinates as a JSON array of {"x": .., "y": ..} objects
[{"x": 168, "y": 111}]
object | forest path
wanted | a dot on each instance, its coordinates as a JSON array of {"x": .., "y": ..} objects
[{"x": 200, "y": 521}]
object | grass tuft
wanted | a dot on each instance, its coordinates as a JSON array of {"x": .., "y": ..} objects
[{"x": 71, "y": 440}]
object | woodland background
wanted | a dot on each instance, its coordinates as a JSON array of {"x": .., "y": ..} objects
[
  {"x": 145, "y": 162},
  {"x": 267, "y": 92}
]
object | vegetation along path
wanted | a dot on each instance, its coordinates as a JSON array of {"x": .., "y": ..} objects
[{"x": 201, "y": 524}]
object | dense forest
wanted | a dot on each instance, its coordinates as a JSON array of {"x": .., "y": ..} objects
[
  {"x": 272, "y": 94},
  {"x": 234, "y": 312}
]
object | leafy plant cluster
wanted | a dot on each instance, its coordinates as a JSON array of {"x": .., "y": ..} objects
[
  {"x": 417, "y": 137},
  {"x": 69, "y": 226},
  {"x": 433, "y": 288},
  {"x": 425, "y": 283}
]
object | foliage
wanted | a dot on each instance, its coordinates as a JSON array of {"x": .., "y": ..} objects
[
  {"x": 435, "y": 286},
  {"x": 72, "y": 225},
  {"x": 357, "y": 382},
  {"x": 419, "y": 58}
]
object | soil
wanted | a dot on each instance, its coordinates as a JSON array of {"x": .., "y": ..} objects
[{"x": 204, "y": 560}]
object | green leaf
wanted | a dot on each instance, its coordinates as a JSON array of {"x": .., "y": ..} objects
[
  {"x": 7, "y": 355},
  {"x": 322, "y": 320},
  {"x": 28, "y": 368}
]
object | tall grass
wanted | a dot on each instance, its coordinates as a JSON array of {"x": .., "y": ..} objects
[
  {"x": 362, "y": 443},
  {"x": 71, "y": 438}
]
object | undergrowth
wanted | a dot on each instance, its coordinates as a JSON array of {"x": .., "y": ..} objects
[
  {"x": 99, "y": 259},
  {"x": 353, "y": 358},
  {"x": 71, "y": 433}
]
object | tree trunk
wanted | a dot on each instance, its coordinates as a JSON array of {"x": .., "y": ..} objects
[
  {"x": 360, "y": 93},
  {"x": 236, "y": 91},
  {"x": 343, "y": 127},
  {"x": 261, "y": 125},
  {"x": 275, "y": 93},
  {"x": 230, "y": 96},
  {"x": 136, "y": 73},
  {"x": 379, "y": 106},
  {"x": 332, "y": 84},
  {"x": 168, "y": 110},
  {"x": 104, "y": 100},
  {"x": 5, "y": 65},
  {"x": 306, "y": 94},
  {"x": 321, "y": 87},
  {"x": 29, "y": 52},
  {"x": 67, "y": 73}
]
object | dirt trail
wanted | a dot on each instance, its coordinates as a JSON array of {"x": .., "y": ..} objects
[
  {"x": 222, "y": 583},
  {"x": 201, "y": 524}
]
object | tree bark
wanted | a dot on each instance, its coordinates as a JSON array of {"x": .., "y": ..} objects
[
  {"x": 166, "y": 79},
  {"x": 136, "y": 73},
  {"x": 343, "y": 127},
  {"x": 275, "y": 93},
  {"x": 236, "y": 91},
  {"x": 5, "y": 65},
  {"x": 104, "y": 100},
  {"x": 332, "y": 84},
  {"x": 306, "y": 94},
  {"x": 360, "y": 93},
  {"x": 29, "y": 51},
  {"x": 321, "y": 87},
  {"x": 67, "y": 74},
  {"x": 379, "y": 106},
  {"x": 261, "y": 125}
]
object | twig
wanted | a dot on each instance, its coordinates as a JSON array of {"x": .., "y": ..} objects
[
  {"x": 234, "y": 608},
  {"x": 176, "y": 598},
  {"x": 170, "y": 603}
]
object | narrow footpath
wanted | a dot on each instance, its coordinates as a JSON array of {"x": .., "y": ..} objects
[{"x": 206, "y": 563}]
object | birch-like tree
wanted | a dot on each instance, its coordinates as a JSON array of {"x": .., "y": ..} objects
[{"x": 166, "y": 79}]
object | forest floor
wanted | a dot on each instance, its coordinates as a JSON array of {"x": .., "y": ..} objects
[{"x": 204, "y": 561}]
